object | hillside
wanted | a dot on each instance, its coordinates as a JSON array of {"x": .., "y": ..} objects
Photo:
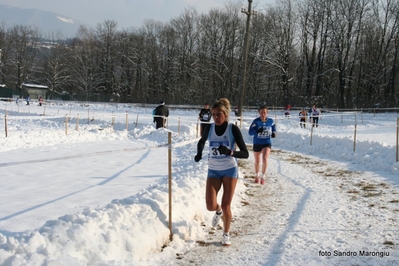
[{"x": 46, "y": 22}]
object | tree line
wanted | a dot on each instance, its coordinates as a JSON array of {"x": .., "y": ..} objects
[{"x": 333, "y": 53}]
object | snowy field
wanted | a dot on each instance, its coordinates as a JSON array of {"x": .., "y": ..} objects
[{"x": 87, "y": 184}]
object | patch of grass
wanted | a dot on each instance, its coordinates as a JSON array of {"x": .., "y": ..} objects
[
  {"x": 292, "y": 159},
  {"x": 245, "y": 203},
  {"x": 341, "y": 172},
  {"x": 249, "y": 194},
  {"x": 366, "y": 186},
  {"x": 202, "y": 243},
  {"x": 367, "y": 195},
  {"x": 384, "y": 185},
  {"x": 369, "y": 187},
  {"x": 389, "y": 243},
  {"x": 243, "y": 164},
  {"x": 328, "y": 174}
]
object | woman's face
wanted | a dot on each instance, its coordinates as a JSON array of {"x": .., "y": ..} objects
[
  {"x": 263, "y": 114},
  {"x": 218, "y": 116}
]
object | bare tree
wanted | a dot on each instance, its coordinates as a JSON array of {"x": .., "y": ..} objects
[
  {"x": 20, "y": 54},
  {"x": 52, "y": 64},
  {"x": 106, "y": 43},
  {"x": 281, "y": 44},
  {"x": 379, "y": 50},
  {"x": 183, "y": 65},
  {"x": 86, "y": 71}
]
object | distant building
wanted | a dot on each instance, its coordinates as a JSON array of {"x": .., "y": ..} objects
[{"x": 34, "y": 91}]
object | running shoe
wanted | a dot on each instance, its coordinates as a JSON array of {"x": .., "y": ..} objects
[
  {"x": 262, "y": 181},
  {"x": 226, "y": 240},
  {"x": 216, "y": 218},
  {"x": 257, "y": 178}
]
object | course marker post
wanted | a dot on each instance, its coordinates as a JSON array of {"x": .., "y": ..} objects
[
  {"x": 354, "y": 137},
  {"x": 170, "y": 183},
  {"x": 397, "y": 138},
  {"x": 5, "y": 124},
  {"x": 66, "y": 124},
  {"x": 77, "y": 123},
  {"x": 113, "y": 121},
  {"x": 196, "y": 129},
  {"x": 127, "y": 122},
  {"x": 311, "y": 133}
]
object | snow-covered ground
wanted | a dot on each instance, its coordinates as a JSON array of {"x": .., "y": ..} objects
[{"x": 87, "y": 184}]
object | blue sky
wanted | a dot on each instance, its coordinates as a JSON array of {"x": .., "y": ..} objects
[{"x": 126, "y": 12}]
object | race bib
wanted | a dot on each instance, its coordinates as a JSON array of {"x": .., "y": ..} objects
[
  {"x": 266, "y": 133},
  {"x": 214, "y": 145}
]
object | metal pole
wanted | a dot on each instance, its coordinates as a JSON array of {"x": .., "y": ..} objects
[{"x": 244, "y": 72}]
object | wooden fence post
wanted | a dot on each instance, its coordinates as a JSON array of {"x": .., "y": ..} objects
[
  {"x": 77, "y": 123},
  {"x": 397, "y": 138},
  {"x": 170, "y": 183},
  {"x": 5, "y": 124},
  {"x": 66, "y": 124},
  {"x": 354, "y": 137},
  {"x": 196, "y": 129},
  {"x": 127, "y": 122},
  {"x": 311, "y": 134},
  {"x": 113, "y": 120}
]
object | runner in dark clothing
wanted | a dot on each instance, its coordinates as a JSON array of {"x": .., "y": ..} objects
[
  {"x": 205, "y": 116},
  {"x": 160, "y": 114}
]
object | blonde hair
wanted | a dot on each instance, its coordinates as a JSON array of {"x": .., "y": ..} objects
[{"x": 224, "y": 105}]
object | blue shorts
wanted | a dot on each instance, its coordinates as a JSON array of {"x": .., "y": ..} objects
[{"x": 232, "y": 172}]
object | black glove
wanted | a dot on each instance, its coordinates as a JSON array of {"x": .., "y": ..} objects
[
  {"x": 260, "y": 130},
  {"x": 197, "y": 157},
  {"x": 224, "y": 150},
  {"x": 273, "y": 134}
]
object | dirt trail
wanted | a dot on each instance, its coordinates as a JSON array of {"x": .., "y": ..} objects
[{"x": 307, "y": 206}]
